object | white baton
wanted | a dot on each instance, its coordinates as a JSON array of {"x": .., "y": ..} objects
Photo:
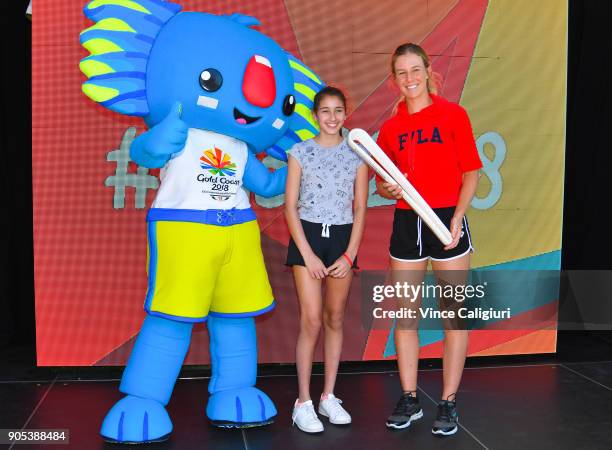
[{"x": 362, "y": 144}]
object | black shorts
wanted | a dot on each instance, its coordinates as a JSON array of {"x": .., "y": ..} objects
[
  {"x": 412, "y": 240},
  {"x": 328, "y": 242}
]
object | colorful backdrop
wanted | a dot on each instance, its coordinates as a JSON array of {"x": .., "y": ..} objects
[{"x": 505, "y": 62}]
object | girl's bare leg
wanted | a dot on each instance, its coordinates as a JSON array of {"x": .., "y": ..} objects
[
  {"x": 406, "y": 332},
  {"x": 455, "y": 340},
  {"x": 336, "y": 293},
  {"x": 309, "y": 296}
]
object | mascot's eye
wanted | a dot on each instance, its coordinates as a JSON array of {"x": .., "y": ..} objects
[
  {"x": 211, "y": 80},
  {"x": 289, "y": 105}
]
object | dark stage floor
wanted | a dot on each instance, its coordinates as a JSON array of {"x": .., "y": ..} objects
[{"x": 540, "y": 406}]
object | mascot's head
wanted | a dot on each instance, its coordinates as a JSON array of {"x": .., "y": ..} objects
[{"x": 230, "y": 79}]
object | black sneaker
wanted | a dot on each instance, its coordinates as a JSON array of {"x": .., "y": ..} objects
[
  {"x": 407, "y": 409},
  {"x": 447, "y": 421}
]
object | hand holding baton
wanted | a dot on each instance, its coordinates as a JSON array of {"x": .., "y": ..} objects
[{"x": 362, "y": 144}]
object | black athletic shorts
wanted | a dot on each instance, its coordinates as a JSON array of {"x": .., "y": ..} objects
[
  {"x": 412, "y": 240},
  {"x": 328, "y": 242}
]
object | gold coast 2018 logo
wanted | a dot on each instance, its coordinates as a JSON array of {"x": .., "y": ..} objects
[
  {"x": 220, "y": 182},
  {"x": 218, "y": 163}
]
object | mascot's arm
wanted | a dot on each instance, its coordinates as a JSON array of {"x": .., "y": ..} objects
[
  {"x": 258, "y": 179},
  {"x": 154, "y": 148},
  {"x": 141, "y": 155}
]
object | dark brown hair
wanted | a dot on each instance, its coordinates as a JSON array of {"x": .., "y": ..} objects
[{"x": 328, "y": 91}]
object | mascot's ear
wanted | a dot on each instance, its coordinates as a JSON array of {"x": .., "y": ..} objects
[
  {"x": 119, "y": 44},
  {"x": 301, "y": 124},
  {"x": 242, "y": 19}
]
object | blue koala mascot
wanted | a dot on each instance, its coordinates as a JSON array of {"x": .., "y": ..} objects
[{"x": 213, "y": 92}]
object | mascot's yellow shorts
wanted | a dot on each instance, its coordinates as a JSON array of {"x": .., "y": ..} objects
[{"x": 195, "y": 269}]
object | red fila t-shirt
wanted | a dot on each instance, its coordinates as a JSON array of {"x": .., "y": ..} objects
[{"x": 434, "y": 146}]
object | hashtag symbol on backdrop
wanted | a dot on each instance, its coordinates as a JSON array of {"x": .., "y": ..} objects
[{"x": 141, "y": 180}]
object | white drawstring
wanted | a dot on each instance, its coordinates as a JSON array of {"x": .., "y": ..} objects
[
  {"x": 419, "y": 242},
  {"x": 325, "y": 230}
]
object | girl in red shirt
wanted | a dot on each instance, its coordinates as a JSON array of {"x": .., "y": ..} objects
[{"x": 431, "y": 142}]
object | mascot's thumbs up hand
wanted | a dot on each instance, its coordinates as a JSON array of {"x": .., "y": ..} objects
[
  {"x": 154, "y": 148},
  {"x": 169, "y": 136}
]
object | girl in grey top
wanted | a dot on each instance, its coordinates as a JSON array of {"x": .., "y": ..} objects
[
  {"x": 327, "y": 184},
  {"x": 325, "y": 205}
]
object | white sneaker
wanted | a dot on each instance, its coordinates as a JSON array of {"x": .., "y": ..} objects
[
  {"x": 305, "y": 417},
  {"x": 330, "y": 408}
]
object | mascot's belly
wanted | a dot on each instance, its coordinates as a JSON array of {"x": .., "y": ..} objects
[
  {"x": 206, "y": 174},
  {"x": 203, "y": 236}
]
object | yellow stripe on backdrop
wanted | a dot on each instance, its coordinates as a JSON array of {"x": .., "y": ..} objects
[{"x": 515, "y": 94}]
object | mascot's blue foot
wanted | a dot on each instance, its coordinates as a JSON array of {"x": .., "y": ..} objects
[
  {"x": 135, "y": 420},
  {"x": 240, "y": 408}
]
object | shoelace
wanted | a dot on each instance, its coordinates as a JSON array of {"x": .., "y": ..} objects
[
  {"x": 445, "y": 411},
  {"x": 336, "y": 405},
  {"x": 310, "y": 412},
  {"x": 403, "y": 404}
]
